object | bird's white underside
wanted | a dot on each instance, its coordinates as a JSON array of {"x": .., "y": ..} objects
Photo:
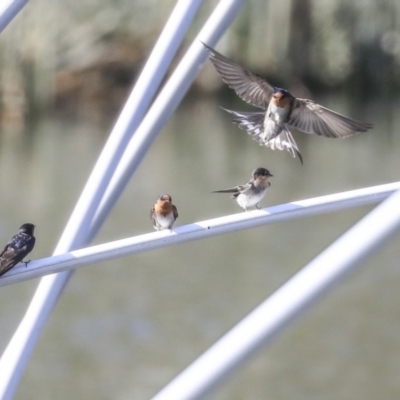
[
  {"x": 245, "y": 201},
  {"x": 165, "y": 222}
]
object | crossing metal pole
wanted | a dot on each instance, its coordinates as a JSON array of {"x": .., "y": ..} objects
[
  {"x": 17, "y": 353},
  {"x": 297, "y": 295},
  {"x": 9, "y": 10}
]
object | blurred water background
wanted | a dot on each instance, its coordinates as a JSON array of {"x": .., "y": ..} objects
[{"x": 124, "y": 328}]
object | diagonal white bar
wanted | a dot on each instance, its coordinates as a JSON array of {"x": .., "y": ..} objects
[
  {"x": 75, "y": 234},
  {"x": 21, "y": 345},
  {"x": 199, "y": 230},
  {"x": 9, "y": 10},
  {"x": 286, "y": 304},
  {"x": 166, "y": 103}
]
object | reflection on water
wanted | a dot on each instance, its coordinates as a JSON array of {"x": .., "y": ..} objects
[{"x": 124, "y": 328}]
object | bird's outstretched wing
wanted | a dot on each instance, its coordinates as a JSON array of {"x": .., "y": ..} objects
[
  {"x": 250, "y": 87},
  {"x": 310, "y": 117}
]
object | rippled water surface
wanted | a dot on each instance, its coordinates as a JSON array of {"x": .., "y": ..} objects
[{"x": 124, "y": 328}]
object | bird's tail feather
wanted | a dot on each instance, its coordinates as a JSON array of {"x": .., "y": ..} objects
[
  {"x": 232, "y": 190},
  {"x": 285, "y": 141}
]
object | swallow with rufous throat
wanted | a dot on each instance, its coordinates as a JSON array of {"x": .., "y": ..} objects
[
  {"x": 281, "y": 110},
  {"x": 164, "y": 213},
  {"x": 251, "y": 194},
  {"x": 17, "y": 248}
]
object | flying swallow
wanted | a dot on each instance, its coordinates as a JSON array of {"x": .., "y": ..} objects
[
  {"x": 281, "y": 110},
  {"x": 17, "y": 248},
  {"x": 164, "y": 213},
  {"x": 250, "y": 194}
]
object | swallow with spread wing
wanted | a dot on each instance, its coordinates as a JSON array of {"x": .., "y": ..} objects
[{"x": 281, "y": 110}]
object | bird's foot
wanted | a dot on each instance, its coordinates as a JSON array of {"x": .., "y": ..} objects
[{"x": 26, "y": 263}]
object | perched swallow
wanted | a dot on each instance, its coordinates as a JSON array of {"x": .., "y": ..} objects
[
  {"x": 17, "y": 248},
  {"x": 250, "y": 194},
  {"x": 164, "y": 213},
  {"x": 281, "y": 110}
]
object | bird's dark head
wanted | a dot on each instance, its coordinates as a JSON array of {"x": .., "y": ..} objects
[
  {"x": 165, "y": 198},
  {"x": 27, "y": 228},
  {"x": 261, "y": 172},
  {"x": 281, "y": 97},
  {"x": 280, "y": 93}
]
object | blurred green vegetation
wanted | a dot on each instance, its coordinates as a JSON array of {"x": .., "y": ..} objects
[{"x": 82, "y": 57}]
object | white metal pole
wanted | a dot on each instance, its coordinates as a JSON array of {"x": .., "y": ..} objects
[
  {"x": 166, "y": 103},
  {"x": 76, "y": 232},
  {"x": 22, "y": 343},
  {"x": 287, "y": 303},
  {"x": 198, "y": 230},
  {"x": 9, "y": 10}
]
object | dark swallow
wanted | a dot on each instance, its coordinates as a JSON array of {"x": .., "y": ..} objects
[
  {"x": 281, "y": 110},
  {"x": 164, "y": 213},
  {"x": 250, "y": 194},
  {"x": 17, "y": 248}
]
